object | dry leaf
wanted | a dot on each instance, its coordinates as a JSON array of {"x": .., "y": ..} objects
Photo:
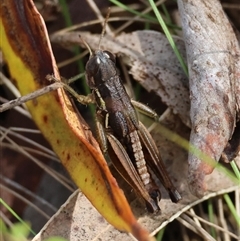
[
  {"x": 28, "y": 53},
  {"x": 214, "y": 69},
  {"x": 152, "y": 61}
]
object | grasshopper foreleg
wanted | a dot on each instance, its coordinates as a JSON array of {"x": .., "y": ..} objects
[
  {"x": 100, "y": 131},
  {"x": 83, "y": 99}
]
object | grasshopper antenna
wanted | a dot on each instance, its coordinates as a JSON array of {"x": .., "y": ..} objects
[
  {"x": 102, "y": 33},
  {"x": 85, "y": 43},
  {"x": 104, "y": 27}
]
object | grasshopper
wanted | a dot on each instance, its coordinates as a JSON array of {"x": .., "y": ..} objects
[{"x": 121, "y": 135}]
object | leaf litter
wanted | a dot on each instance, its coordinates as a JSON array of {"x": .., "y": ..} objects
[
  {"x": 153, "y": 64},
  {"x": 66, "y": 223},
  {"x": 157, "y": 71}
]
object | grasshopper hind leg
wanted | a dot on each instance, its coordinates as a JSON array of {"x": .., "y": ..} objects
[
  {"x": 174, "y": 195},
  {"x": 155, "y": 162},
  {"x": 155, "y": 194}
]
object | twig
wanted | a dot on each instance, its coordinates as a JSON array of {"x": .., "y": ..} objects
[{"x": 18, "y": 101}]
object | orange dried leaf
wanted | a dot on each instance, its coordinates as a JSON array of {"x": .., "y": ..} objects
[{"x": 27, "y": 51}]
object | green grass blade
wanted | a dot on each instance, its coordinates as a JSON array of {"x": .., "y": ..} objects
[
  {"x": 211, "y": 217},
  {"x": 235, "y": 169},
  {"x": 170, "y": 135},
  {"x": 125, "y": 7},
  {"x": 159, "y": 236},
  {"x": 16, "y": 216},
  {"x": 232, "y": 208},
  {"x": 169, "y": 37}
]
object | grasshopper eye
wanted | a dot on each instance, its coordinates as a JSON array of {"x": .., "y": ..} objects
[{"x": 109, "y": 55}]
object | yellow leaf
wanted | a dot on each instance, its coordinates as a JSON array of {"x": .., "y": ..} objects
[{"x": 27, "y": 51}]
